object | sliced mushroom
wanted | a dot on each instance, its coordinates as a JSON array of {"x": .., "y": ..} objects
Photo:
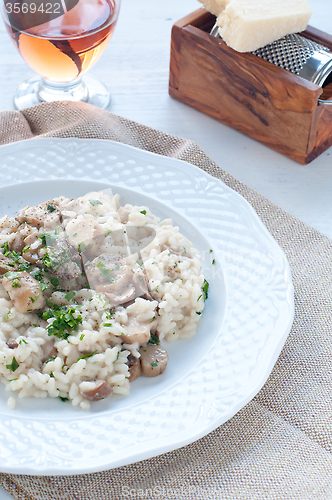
[
  {"x": 17, "y": 243},
  {"x": 134, "y": 365},
  {"x": 120, "y": 280},
  {"x": 49, "y": 351},
  {"x": 24, "y": 291},
  {"x": 30, "y": 254},
  {"x": 154, "y": 359},
  {"x": 6, "y": 264},
  {"x": 64, "y": 261},
  {"x": 96, "y": 390},
  {"x": 12, "y": 344},
  {"x": 86, "y": 237},
  {"x": 136, "y": 332},
  {"x": 44, "y": 214}
]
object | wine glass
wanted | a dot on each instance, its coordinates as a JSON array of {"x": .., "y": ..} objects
[{"x": 61, "y": 40}]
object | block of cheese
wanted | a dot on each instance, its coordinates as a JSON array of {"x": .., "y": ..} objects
[
  {"x": 215, "y": 6},
  {"x": 247, "y": 25}
]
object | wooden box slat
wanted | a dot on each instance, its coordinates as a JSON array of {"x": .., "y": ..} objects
[{"x": 247, "y": 93}]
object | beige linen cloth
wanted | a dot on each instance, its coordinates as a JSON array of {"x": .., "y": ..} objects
[{"x": 280, "y": 445}]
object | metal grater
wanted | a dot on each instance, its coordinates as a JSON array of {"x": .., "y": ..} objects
[{"x": 297, "y": 54}]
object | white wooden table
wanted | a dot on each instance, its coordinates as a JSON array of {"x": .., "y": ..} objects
[{"x": 135, "y": 67}]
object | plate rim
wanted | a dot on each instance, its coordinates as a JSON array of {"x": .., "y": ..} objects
[{"x": 242, "y": 402}]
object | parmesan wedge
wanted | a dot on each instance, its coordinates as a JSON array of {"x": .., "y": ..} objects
[{"x": 247, "y": 25}]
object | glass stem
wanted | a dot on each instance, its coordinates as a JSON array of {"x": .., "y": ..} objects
[{"x": 75, "y": 90}]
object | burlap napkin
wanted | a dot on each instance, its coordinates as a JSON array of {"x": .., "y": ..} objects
[{"x": 280, "y": 445}]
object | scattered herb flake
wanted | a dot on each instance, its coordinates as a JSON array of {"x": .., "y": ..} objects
[
  {"x": 199, "y": 313},
  {"x": 87, "y": 355},
  {"x": 154, "y": 340},
  {"x": 23, "y": 340},
  {"x": 16, "y": 284},
  {"x": 63, "y": 399},
  {"x": 154, "y": 364},
  {"x": 51, "y": 208},
  {"x": 205, "y": 289},
  {"x": 12, "y": 275},
  {"x": 50, "y": 359},
  {"x": 153, "y": 319},
  {"x": 70, "y": 295},
  {"x": 95, "y": 203},
  {"x": 214, "y": 261},
  {"x": 82, "y": 336},
  {"x": 13, "y": 366},
  {"x": 54, "y": 282},
  {"x": 108, "y": 325},
  {"x": 143, "y": 212}
]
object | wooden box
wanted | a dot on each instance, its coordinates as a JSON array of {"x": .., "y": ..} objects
[{"x": 259, "y": 99}]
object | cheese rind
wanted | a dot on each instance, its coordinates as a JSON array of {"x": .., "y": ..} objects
[{"x": 247, "y": 25}]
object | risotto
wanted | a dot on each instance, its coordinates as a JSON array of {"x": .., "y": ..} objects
[{"x": 89, "y": 290}]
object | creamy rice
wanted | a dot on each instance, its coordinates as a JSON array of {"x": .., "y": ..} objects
[{"x": 113, "y": 314}]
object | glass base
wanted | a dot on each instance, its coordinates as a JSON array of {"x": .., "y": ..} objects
[{"x": 37, "y": 90}]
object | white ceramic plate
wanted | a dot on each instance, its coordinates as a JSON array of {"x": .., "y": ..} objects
[{"x": 210, "y": 377}]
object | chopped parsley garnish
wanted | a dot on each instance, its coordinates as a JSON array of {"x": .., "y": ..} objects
[
  {"x": 11, "y": 254},
  {"x": 143, "y": 212},
  {"x": 81, "y": 247},
  {"x": 55, "y": 258},
  {"x": 154, "y": 340},
  {"x": 107, "y": 232},
  {"x": 25, "y": 249},
  {"x": 51, "y": 208},
  {"x": 87, "y": 355},
  {"x": 94, "y": 203},
  {"x": 37, "y": 274},
  {"x": 104, "y": 272},
  {"x": 54, "y": 282},
  {"x": 12, "y": 275},
  {"x": 154, "y": 364},
  {"x": 48, "y": 238},
  {"x": 70, "y": 295},
  {"x": 16, "y": 284},
  {"x": 22, "y": 340},
  {"x": 64, "y": 320},
  {"x": 205, "y": 289},
  {"x": 153, "y": 319},
  {"x": 26, "y": 266},
  {"x": 199, "y": 313},
  {"x": 109, "y": 314},
  {"x": 12, "y": 379},
  {"x": 214, "y": 261},
  {"x": 199, "y": 297},
  {"x": 50, "y": 359},
  {"x": 108, "y": 325},
  {"x": 51, "y": 375},
  {"x": 117, "y": 357},
  {"x": 13, "y": 366},
  {"x": 210, "y": 250},
  {"x": 43, "y": 286},
  {"x": 33, "y": 299},
  {"x": 63, "y": 399},
  {"x": 82, "y": 336}
]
